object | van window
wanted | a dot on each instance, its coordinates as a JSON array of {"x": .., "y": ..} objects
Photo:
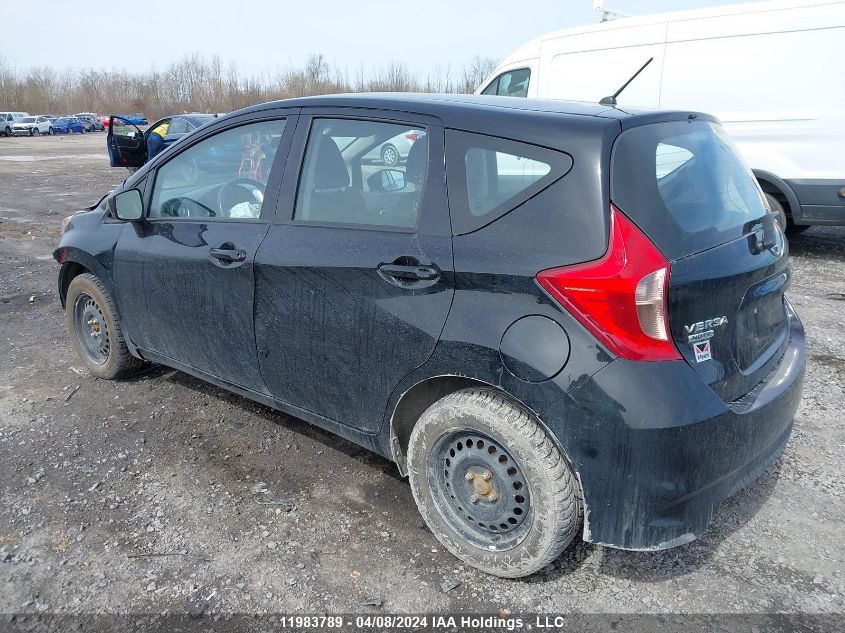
[
  {"x": 685, "y": 185},
  {"x": 513, "y": 83},
  {"x": 490, "y": 176}
]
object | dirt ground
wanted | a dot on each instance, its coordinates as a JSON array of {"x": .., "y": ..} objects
[{"x": 165, "y": 494}]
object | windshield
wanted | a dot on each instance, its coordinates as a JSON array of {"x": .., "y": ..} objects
[
  {"x": 28, "y": 119},
  {"x": 685, "y": 185},
  {"x": 63, "y": 120}
]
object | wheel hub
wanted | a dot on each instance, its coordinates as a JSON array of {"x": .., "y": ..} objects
[
  {"x": 482, "y": 485},
  {"x": 91, "y": 330},
  {"x": 480, "y": 488}
]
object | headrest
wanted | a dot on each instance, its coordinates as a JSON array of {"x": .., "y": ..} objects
[
  {"x": 330, "y": 172},
  {"x": 417, "y": 159}
]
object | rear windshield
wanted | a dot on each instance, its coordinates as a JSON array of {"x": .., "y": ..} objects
[{"x": 685, "y": 185}]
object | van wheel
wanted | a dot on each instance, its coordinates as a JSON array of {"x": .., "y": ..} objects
[
  {"x": 789, "y": 227},
  {"x": 491, "y": 484},
  {"x": 777, "y": 209},
  {"x": 92, "y": 323}
]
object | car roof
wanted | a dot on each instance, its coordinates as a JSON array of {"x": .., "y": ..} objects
[
  {"x": 197, "y": 117},
  {"x": 459, "y": 110}
]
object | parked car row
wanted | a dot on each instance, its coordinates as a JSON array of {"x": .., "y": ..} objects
[{"x": 25, "y": 124}]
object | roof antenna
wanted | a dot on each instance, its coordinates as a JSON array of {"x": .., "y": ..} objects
[{"x": 611, "y": 100}]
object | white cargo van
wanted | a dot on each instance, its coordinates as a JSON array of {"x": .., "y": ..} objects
[{"x": 773, "y": 72}]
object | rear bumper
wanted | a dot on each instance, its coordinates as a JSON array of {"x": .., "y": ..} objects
[
  {"x": 664, "y": 451},
  {"x": 820, "y": 201}
]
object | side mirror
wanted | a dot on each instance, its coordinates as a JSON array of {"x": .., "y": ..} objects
[
  {"x": 127, "y": 205},
  {"x": 386, "y": 180}
]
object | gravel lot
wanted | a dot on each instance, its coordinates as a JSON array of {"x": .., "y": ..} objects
[{"x": 165, "y": 494}]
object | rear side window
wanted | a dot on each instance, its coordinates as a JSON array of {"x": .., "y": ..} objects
[
  {"x": 489, "y": 176},
  {"x": 685, "y": 185}
]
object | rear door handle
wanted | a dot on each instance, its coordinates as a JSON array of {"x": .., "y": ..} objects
[
  {"x": 229, "y": 255},
  {"x": 409, "y": 273}
]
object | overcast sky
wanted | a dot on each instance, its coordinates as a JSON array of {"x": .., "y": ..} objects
[{"x": 264, "y": 35}]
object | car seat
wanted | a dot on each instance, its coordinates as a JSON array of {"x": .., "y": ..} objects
[{"x": 332, "y": 199}]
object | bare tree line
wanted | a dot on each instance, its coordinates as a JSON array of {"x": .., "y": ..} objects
[{"x": 200, "y": 84}]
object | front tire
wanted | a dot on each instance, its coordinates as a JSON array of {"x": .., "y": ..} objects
[
  {"x": 32, "y": 131},
  {"x": 93, "y": 325},
  {"x": 492, "y": 485}
]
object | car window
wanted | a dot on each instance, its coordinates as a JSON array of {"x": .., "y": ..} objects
[
  {"x": 363, "y": 172},
  {"x": 489, "y": 176},
  {"x": 178, "y": 126},
  {"x": 513, "y": 83},
  {"x": 685, "y": 184},
  {"x": 222, "y": 177}
]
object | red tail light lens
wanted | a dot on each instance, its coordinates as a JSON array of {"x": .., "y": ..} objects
[
  {"x": 620, "y": 298},
  {"x": 412, "y": 136}
]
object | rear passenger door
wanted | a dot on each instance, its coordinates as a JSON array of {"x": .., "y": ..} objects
[{"x": 355, "y": 279}]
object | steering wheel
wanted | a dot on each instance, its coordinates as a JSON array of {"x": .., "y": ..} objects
[{"x": 236, "y": 191}]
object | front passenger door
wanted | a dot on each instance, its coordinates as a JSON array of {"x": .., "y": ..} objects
[{"x": 184, "y": 276}]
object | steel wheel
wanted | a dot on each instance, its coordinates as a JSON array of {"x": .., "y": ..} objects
[
  {"x": 480, "y": 489},
  {"x": 389, "y": 156},
  {"x": 90, "y": 328}
]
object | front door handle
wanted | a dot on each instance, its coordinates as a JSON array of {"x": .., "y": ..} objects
[
  {"x": 409, "y": 273},
  {"x": 228, "y": 255}
]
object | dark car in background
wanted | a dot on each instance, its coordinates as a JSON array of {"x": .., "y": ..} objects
[
  {"x": 91, "y": 121},
  {"x": 131, "y": 147},
  {"x": 553, "y": 316},
  {"x": 67, "y": 125}
]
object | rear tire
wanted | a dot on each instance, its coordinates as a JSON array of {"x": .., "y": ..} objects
[
  {"x": 492, "y": 485},
  {"x": 92, "y": 322}
]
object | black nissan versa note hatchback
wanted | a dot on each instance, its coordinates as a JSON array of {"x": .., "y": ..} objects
[{"x": 556, "y": 318}]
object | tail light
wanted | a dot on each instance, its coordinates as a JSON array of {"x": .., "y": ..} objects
[
  {"x": 66, "y": 223},
  {"x": 622, "y": 297},
  {"x": 412, "y": 136}
]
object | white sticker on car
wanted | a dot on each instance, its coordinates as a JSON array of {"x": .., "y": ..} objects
[{"x": 702, "y": 351}]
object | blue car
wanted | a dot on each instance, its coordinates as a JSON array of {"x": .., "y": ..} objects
[
  {"x": 134, "y": 119},
  {"x": 130, "y": 147},
  {"x": 68, "y": 125}
]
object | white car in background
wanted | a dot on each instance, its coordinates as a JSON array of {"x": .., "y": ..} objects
[
  {"x": 7, "y": 120},
  {"x": 395, "y": 150},
  {"x": 32, "y": 125}
]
